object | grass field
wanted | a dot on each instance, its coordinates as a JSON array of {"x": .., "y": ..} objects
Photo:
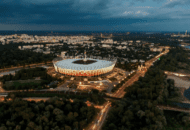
[{"x": 11, "y": 83}]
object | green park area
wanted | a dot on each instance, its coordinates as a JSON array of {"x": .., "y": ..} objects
[
  {"x": 56, "y": 113},
  {"x": 25, "y": 79},
  {"x": 176, "y": 61},
  {"x": 177, "y": 120},
  {"x": 20, "y": 84}
]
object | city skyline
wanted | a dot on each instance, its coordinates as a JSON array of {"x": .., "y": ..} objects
[{"x": 83, "y": 15}]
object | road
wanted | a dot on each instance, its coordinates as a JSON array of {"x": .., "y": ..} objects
[
  {"x": 104, "y": 117},
  {"x": 167, "y": 107},
  {"x": 98, "y": 122},
  {"x": 120, "y": 93},
  {"x": 36, "y": 99}
]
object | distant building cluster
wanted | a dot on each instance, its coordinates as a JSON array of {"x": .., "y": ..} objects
[
  {"x": 125, "y": 51},
  {"x": 156, "y": 49},
  {"x": 108, "y": 41},
  {"x": 24, "y": 38},
  {"x": 181, "y": 35}
]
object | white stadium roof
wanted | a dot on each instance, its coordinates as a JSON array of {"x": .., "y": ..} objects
[{"x": 99, "y": 64}]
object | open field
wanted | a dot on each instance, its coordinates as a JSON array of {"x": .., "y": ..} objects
[{"x": 180, "y": 82}]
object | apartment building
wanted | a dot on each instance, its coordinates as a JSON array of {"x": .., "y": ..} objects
[
  {"x": 107, "y": 41},
  {"x": 106, "y": 45}
]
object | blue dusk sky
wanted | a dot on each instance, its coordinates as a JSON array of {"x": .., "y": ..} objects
[{"x": 95, "y": 15}]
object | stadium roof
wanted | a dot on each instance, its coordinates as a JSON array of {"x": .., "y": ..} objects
[{"x": 67, "y": 64}]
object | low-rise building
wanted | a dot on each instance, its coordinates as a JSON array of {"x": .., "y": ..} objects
[
  {"x": 106, "y": 45},
  {"x": 142, "y": 61},
  {"x": 156, "y": 49},
  {"x": 124, "y": 43},
  {"x": 135, "y": 60}
]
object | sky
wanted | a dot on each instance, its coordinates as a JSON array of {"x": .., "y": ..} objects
[{"x": 95, "y": 15}]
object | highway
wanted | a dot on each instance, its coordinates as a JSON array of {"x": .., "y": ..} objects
[
  {"x": 98, "y": 122},
  {"x": 120, "y": 93}
]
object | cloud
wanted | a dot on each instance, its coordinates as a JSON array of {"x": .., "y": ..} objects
[
  {"x": 173, "y": 3},
  {"x": 158, "y": 1},
  {"x": 140, "y": 0},
  {"x": 87, "y": 14}
]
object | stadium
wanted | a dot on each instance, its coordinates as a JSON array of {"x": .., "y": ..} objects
[{"x": 75, "y": 66}]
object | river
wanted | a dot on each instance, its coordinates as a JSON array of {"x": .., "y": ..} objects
[{"x": 187, "y": 93}]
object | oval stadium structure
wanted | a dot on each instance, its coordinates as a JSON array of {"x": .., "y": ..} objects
[{"x": 83, "y": 67}]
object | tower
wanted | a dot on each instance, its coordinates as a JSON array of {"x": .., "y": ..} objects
[
  {"x": 85, "y": 56},
  {"x": 186, "y": 32}
]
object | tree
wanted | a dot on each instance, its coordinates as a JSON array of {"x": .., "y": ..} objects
[
  {"x": 57, "y": 111},
  {"x": 82, "y": 124},
  {"x": 75, "y": 114},
  {"x": 140, "y": 114},
  {"x": 67, "y": 127},
  {"x": 75, "y": 125},
  {"x": 3, "y": 128},
  {"x": 31, "y": 125},
  {"x": 112, "y": 126}
]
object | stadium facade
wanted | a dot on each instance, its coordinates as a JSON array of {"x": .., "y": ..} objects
[{"x": 76, "y": 66}]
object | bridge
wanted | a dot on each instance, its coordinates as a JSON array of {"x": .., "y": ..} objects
[
  {"x": 177, "y": 74},
  {"x": 3, "y": 94}
]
